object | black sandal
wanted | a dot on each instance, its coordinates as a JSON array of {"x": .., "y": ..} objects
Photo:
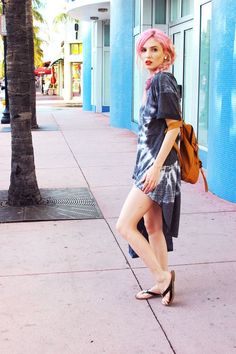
[
  {"x": 150, "y": 295},
  {"x": 170, "y": 289}
]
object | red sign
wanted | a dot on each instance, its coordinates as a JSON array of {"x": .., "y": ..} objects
[{"x": 42, "y": 71}]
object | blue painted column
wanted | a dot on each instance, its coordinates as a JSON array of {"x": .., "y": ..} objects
[
  {"x": 121, "y": 54},
  {"x": 87, "y": 53},
  {"x": 221, "y": 164}
]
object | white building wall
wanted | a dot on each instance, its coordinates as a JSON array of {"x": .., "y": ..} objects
[
  {"x": 97, "y": 65},
  {"x": 70, "y": 37}
]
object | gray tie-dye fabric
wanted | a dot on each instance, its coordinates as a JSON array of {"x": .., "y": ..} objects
[{"x": 162, "y": 102}]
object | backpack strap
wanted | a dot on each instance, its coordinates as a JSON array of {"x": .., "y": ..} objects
[{"x": 174, "y": 125}]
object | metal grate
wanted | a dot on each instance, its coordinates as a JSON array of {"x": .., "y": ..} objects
[
  {"x": 68, "y": 201},
  {"x": 56, "y": 204}
]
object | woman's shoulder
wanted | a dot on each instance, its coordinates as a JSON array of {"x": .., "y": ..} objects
[{"x": 165, "y": 81}]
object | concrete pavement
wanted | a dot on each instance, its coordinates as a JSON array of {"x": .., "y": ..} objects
[{"x": 67, "y": 287}]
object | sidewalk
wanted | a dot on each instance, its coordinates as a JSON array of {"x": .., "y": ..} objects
[{"x": 67, "y": 287}]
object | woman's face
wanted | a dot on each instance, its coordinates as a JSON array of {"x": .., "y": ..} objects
[{"x": 152, "y": 55}]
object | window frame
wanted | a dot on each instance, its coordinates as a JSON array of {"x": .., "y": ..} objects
[{"x": 80, "y": 48}]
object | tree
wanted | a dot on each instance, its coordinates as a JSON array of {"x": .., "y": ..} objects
[
  {"x": 30, "y": 39},
  {"x": 37, "y": 18},
  {"x": 38, "y": 52},
  {"x": 23, "y": 188}
]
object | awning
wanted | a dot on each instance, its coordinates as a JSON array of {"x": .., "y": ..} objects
[
  {"x": 42, "y": 71},
  {"x": 56, "y": 61}
]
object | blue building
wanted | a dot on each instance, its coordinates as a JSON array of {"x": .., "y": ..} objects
[{"x": 203, "y": 33}]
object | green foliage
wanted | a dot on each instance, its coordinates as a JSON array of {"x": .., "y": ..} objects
[
  {"x": 37, "y": 4},
  {"x": 37, "y": 16},
  {"x": 38, "y": 52},
  {"x": 63, "y": 18}
]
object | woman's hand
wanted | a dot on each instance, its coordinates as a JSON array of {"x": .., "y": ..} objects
[{"x": 151, "y": 179}]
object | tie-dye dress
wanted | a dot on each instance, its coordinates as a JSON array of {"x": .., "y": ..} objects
[{"x": 162, "y": 102}]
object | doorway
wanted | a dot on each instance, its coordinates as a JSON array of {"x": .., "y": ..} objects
[
  {"x": 76, "y": 69},
  {"x": 182, "y": 37}
]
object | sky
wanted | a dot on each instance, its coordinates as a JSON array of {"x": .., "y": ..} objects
[
  {"x": 53, "y": 36},
  {"x": 52, "y": 49}
]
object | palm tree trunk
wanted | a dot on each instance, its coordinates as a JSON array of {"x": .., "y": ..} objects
[
  {"x": 29, "y": 19},
  {"x": 23, "y": 188}
]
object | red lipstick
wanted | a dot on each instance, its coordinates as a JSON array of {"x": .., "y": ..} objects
[{"x": 148, "y": 62}]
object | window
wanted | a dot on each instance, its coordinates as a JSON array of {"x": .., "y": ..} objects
[
  {"x": 174, "y": 10},
  {"x": 137, "y": 11},
  {"x": 203, "y": 100},
  {"x": 180, "y": 8},
  {"x": 106, "y": 64},
  {"x": 188, "y": 73},
  {"x": 187, "y": 7},
  {"x": 160, "y": 12},
  {"x": 106, "y": 78},
  {"x": 106, "y": 29},
  {"x": 178, "y": 64},
  {"x": 75, "y": 48}
]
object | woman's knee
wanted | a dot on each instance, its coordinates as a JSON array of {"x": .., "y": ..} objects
[
  {"x": 123, "y": 228},
  {"x": 153, "y": 227},
  {"x": 153, "y": 220},
  {"x": 120, "y": 227}
]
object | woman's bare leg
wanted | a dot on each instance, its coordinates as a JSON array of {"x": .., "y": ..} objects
[
  {"x": 153, "y": 224},
  {"x": 135, "y": 207}
]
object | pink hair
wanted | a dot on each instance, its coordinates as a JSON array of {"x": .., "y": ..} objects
[{"x": 164, "y": 41}]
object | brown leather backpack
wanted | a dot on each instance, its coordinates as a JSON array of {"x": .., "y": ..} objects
[{"x": 187, "y": 152}]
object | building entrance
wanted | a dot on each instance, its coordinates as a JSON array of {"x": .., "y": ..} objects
[
  {"x": 182, "y": 37},
  {"x": 76, "y": 79}
]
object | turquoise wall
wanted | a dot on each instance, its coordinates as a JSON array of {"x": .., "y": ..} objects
[
  {"x": 87, "y": 57},
  {"x": 121, "y": 50},
  {"x": 221, "y": 158}
]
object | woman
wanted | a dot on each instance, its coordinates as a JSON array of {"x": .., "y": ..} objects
[{"x": 156, "y": 191}]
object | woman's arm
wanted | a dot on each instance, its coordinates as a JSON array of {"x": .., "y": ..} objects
[
  {"x": 152, "y": 176},
  {"x": 167, "y": 144}
]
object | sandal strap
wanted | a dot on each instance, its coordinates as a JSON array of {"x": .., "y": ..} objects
[
  {"x": 148, "y": 292},
  {"x": 151, "y": 293},
  {"x": 169, "y": 289}
]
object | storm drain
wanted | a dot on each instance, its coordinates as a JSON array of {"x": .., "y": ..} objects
[
  {"x": 67, "y": 201},
  {"x": 56, "y": 204}
]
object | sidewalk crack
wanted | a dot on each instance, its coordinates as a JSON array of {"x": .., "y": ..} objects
[{"x": 131, "y": 269}]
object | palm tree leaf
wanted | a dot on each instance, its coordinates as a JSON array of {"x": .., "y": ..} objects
[
  {"x": 63, "y": 18},
  {"x": 37, "y": 16}
]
